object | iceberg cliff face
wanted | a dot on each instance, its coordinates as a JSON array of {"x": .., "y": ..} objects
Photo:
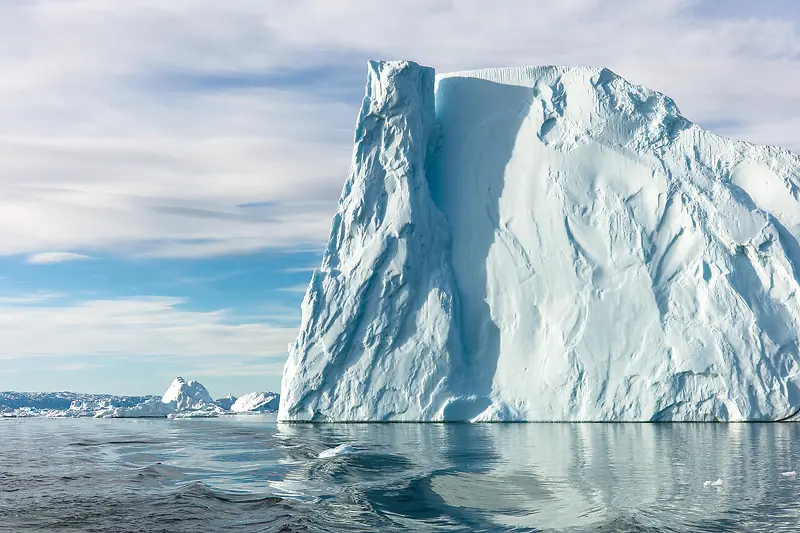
[
  {"x": 550, "y": 244},
  {"x": 378, "y": 340}
]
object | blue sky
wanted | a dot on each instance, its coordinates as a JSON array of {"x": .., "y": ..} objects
[{"x": 169, "y": 170}]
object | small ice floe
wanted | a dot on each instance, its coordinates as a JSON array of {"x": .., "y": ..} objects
[
  {"x": 717, "y": 483},
  {"x": 342, "y": 449},
  {"x": 790, "y": 473}
]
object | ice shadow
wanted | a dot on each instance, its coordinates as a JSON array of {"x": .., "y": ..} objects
[{"x": 478, "y": 122}]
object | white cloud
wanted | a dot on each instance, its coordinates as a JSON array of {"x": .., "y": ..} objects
[
  {"x": 142, "y": 127},
  {"x": 299, "y": 289},
  {"x": 144, "y": 326},
  {"x": 55, "y": 257},
  {"x": 32, "y": 298}
]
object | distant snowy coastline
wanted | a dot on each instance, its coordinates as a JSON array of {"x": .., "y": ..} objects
[{"x": 183, "y": 399}]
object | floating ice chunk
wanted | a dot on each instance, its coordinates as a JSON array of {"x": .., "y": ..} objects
[
  {"x": 790, "y": 473},
  {"x": 342, "y": 449},
  {"x": 717, "y": 483}
]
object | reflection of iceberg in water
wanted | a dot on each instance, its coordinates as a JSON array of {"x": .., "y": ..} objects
[
  {"x": 574, "y": 476},
  {"x": 561, "y": 477}
]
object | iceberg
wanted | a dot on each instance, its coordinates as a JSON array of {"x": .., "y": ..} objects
[
  {"x": 152, "y": 408},
  {"x": 227, "y": 402},
  {"x": 183, "y": 399},
  {"x": 256, "y": 402},
  {"x": 187, "y": 395},
  {"x": 550, "y": 244},
  {"x": 61, "y": 404},
  {"x": 342, "y": 449}
]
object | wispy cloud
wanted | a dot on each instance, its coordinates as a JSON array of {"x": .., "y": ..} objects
[
  {"x": 144, "y": 326},
  {"x": 30, "y": 299},
  {"x": 55, "y": 257},
  {"x": 209, "y": 129},
  {"x": 299, "y": 289},
  {"x": 300, "y": 269}
]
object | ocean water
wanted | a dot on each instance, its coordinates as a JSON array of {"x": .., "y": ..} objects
[{"x": 251, "y": 474}]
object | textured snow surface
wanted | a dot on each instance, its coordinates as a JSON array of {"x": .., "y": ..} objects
[
  {"x": 256, "y": 402},
  {"x": 550, "y": 244}
]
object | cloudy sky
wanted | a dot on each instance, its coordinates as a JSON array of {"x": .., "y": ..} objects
[{"x": 169, "y": 168}]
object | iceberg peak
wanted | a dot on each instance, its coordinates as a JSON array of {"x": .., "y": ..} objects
[{"x": 187, "y": 394}]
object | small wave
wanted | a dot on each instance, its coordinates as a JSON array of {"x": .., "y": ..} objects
[
  {"x": 90, "y": 443},
  {"x": 200, "y": 490},
  {"x": 342, "y": 449}
]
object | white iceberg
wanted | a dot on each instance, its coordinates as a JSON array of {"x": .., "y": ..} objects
[
  {"x": 61, "y": 404},
  {"x": 256, "y": 402},
  {"x": 183, "y": 399},
  {"x": 550, "y": 244},
  {"x": 187, "y": 394},
  {"x": 227, "y": 402},
  {"x": 152, "y": 408}
]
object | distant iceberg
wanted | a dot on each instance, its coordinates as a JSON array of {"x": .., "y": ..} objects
[
  {"x": 550, "y": 244},
  {"x": 183, "y": 399},
  {"x": 187, "y": 394},
  {"x": 152, "y": 408},
  {"x": 256, "y": 402},
  {"x": 226, "y": 402},
  {"x": 62, "y": 404}
]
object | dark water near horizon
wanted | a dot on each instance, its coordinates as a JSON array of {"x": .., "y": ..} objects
[{"x": 252, "y": 474}]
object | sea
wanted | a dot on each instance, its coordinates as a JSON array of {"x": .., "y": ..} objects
[{"x": 252, "y": 474}]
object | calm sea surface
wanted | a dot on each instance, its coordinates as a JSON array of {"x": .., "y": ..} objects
[{"x": 252, "y": 474}]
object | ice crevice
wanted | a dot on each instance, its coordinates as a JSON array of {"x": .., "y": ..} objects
[{"x": 549, "y": 244}]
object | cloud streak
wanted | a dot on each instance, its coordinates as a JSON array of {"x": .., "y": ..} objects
[
  {"x": 142, "y": 130},
  {"x": 143, "y": 326},
  {"x": 45, "y": 258}
]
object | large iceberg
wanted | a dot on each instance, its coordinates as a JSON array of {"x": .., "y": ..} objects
[{"x": 550, "y": 244}]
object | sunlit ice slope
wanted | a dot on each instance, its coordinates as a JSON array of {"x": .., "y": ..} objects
[{"x": 550, "y": 244}]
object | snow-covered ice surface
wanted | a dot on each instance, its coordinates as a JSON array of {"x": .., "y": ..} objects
[
  {"x": 550, "y": 244},
  {"x": 256, "y": 402}
]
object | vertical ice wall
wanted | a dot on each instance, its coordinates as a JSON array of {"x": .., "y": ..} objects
[
  {"x": 550, "y": 243},
  {"x": 378, "y": 340}
]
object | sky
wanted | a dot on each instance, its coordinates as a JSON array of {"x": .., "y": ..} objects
[{"x": 169, "y": 169}]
